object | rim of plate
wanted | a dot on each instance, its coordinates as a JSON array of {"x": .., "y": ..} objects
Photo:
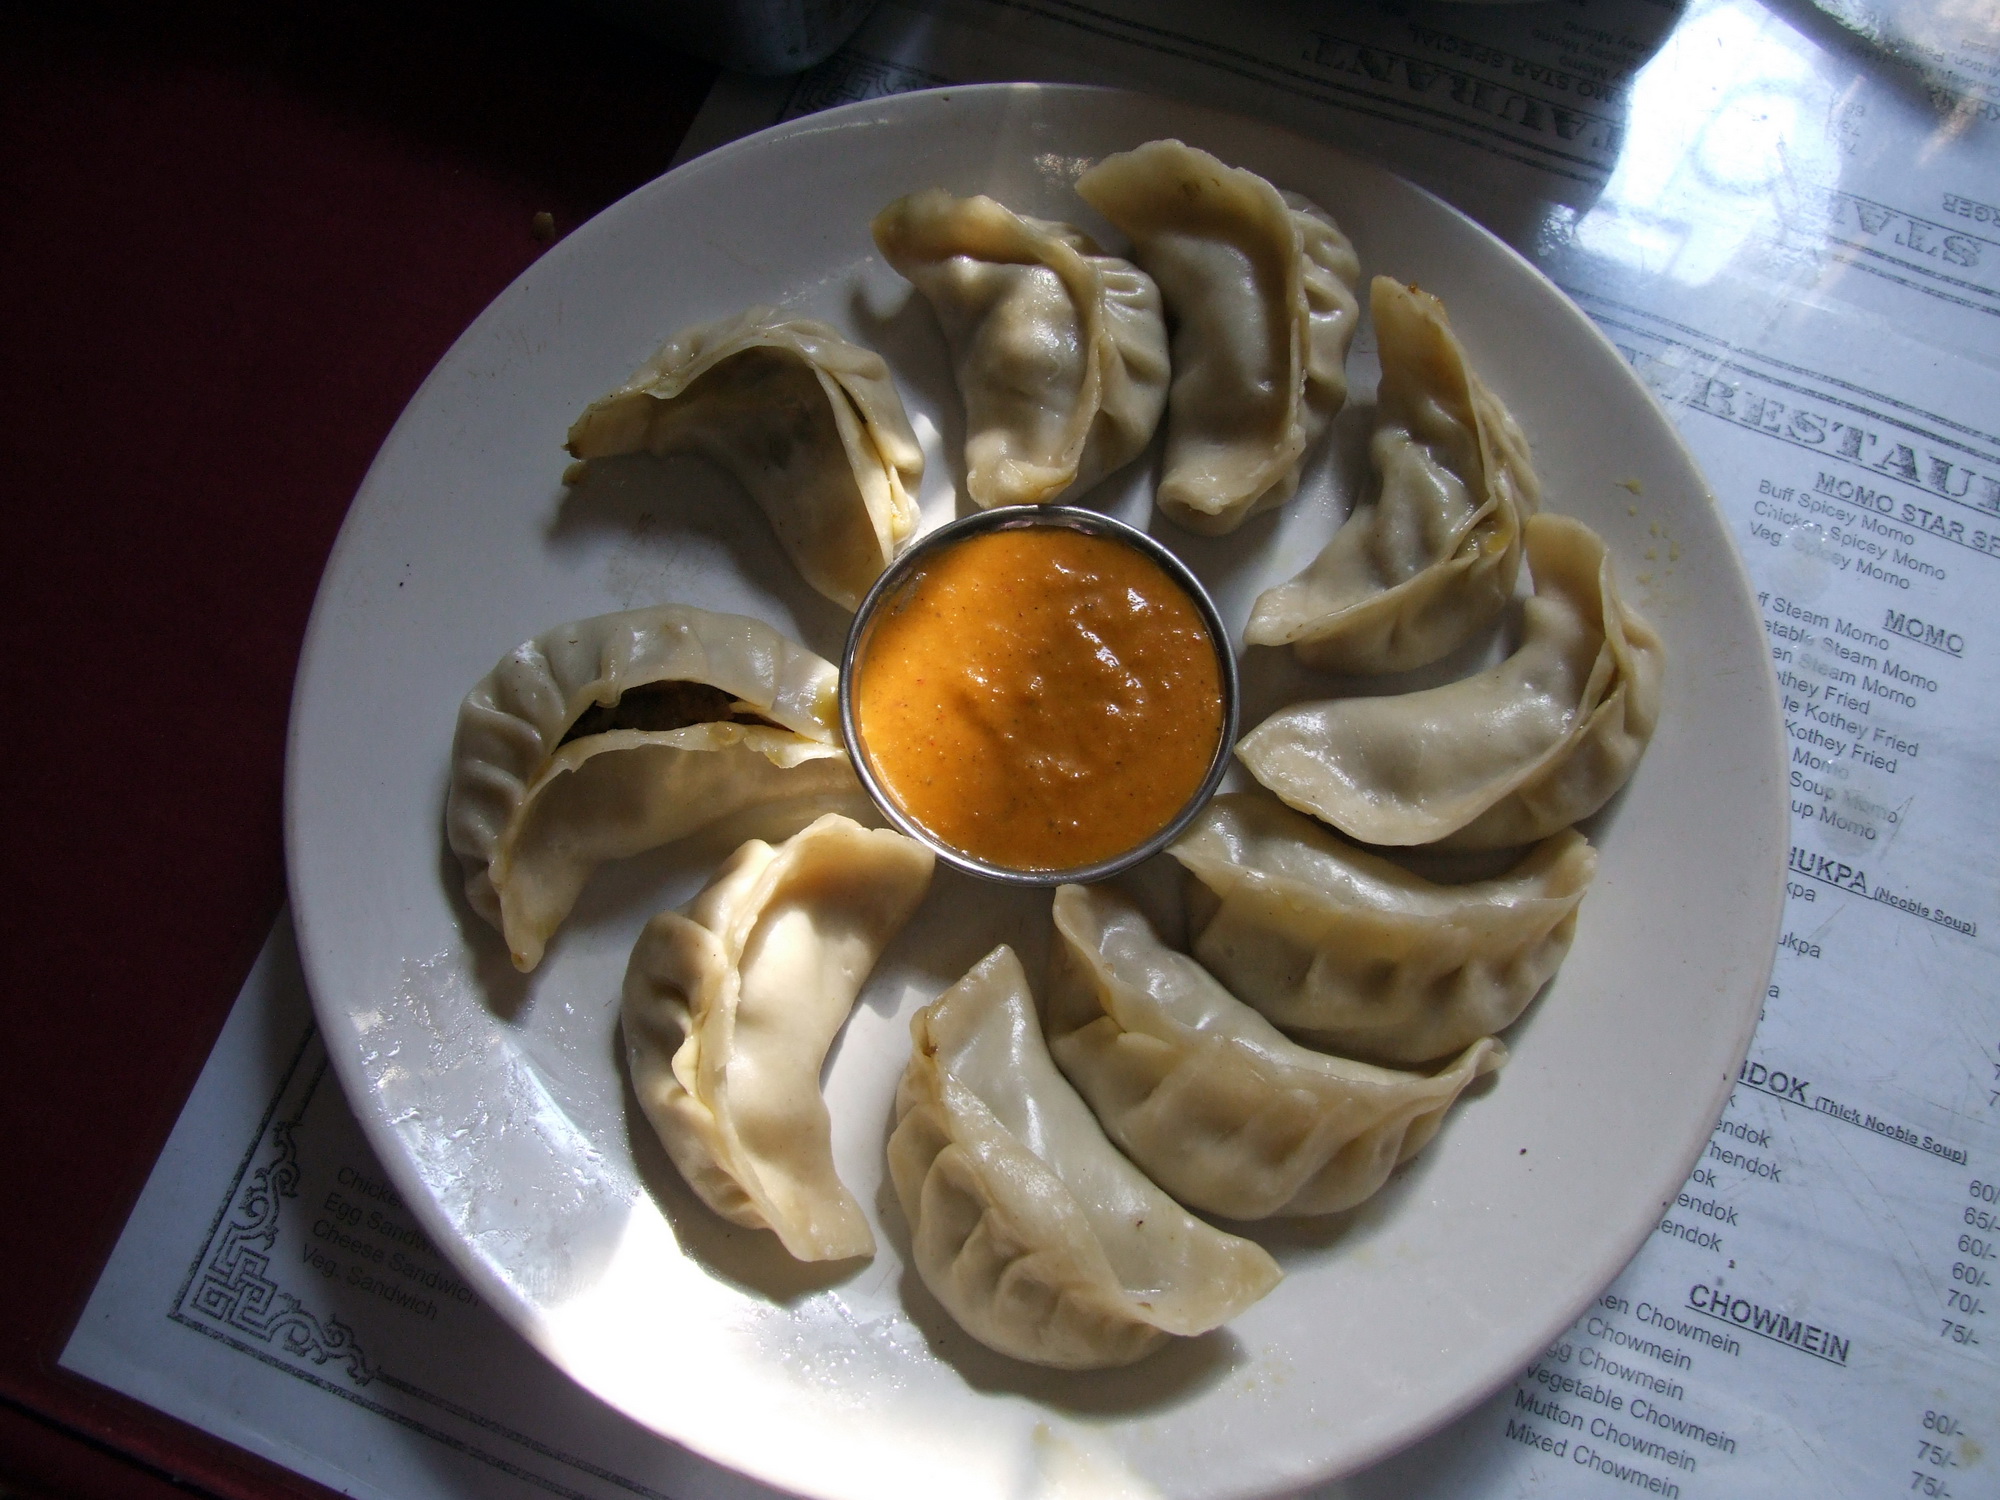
[{"x": 319, "y": 947}]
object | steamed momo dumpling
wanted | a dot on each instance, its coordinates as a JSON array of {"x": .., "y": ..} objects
[
  {"x": 1259, "y": 287},
  {"x": 729, "y": 1011},
  {"x": 1507, "y": 756},
  {"x": 1433, "y": 557},
  {"x": 1060, "y": 351},
  {"x": 1358, "y": 954},
  {"x": 808, "y": 423},
  {"x": 1206, "y": 1096},
  {"x": 610, "y": 736},
  {"x": 1039, "y": 1238}
]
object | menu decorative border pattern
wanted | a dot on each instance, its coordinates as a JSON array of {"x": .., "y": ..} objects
[
  {"x": 229, "y": 1296},
  {"x": 235, "y": 1290}
]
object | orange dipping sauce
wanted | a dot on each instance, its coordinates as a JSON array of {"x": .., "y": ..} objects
[{"x": 1040, "y": 698}]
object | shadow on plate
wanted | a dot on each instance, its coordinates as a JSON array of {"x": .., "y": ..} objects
[
  {"x": 503, "y": 988},
  {"x": 961, "y": 920},
  {"x": 675, "y": 523},
  {"x": 627, "y": 892},
  {"x": 908, "y": 337},
  {"x": 1333, "y": 475},
  {"x": 1298, "y": 1239},
  {"x": 752, "y": 1260}
]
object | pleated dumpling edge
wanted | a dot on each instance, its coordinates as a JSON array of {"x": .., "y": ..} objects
[
  {"x": 1432, "y": 555},
  {"x": 1504, "y": 757},
  {"x": 1259, "y": 291},
  {"x": 609, "y": 736},
  {"x": 807, "y": 422},
  {"x": 1209, "y": 1098},
  {"x": 1060, "y": 351},
  {"x": 1039, "y": 1238},
  {"x": 731, "y": 1004}
]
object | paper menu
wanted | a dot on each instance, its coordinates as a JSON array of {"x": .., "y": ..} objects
[
  {"x": 271, "y": 1289},
  {"x": 1672, "y": 147},
  {"x": 1952, "y": 48},
  {"x": 1786, "y": 245},
  {"x": 1814, "y": 1314}
]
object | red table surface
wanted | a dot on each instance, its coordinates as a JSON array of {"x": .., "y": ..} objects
[{"x": 233, "y": 240}]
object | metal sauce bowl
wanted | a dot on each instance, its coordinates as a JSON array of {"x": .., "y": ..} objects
[{"x": 1009, "y": 518}]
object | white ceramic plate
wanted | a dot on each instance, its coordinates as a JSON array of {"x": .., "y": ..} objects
[{"x": 499, "y": 1105}]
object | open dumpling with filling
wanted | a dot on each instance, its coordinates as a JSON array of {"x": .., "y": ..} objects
[
  {"x": 731, "y": 1006},
  {"x": 1060, "y": 351},
  {"x": 1360, "y": 955},
  {"x": 1206, "y": 1096},
  {"x": 1415, "y": 571},
  {"x": 1039, "y": 1238},
  {"x": 610, "y": 736},
  {"x": 1506, "y": 756},
  {"x": 1259, "y": 289},
  {"x": 808, "y": 423}
]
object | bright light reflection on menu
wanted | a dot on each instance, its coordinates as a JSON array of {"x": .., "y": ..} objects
[{"x": 1723, "y": 133}]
